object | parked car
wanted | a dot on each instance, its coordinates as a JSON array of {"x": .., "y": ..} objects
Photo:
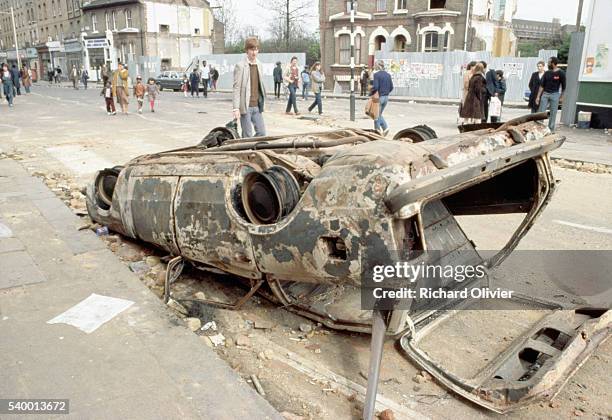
[{"x": 169, "y": 80}]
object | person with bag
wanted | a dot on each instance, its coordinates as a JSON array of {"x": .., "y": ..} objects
[
  {"x": 318, "y": 78},
  {"x": 292, "y": 79},
  {"x": 472, "y": 110},
  {"x": 500, "y": 91},
  {"x": 382, "y": 85}
]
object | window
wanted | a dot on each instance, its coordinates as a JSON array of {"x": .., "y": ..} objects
[
  {"x": 94, "y": 22},
  {"x": 164, "y": 29},
  {"x": 114, "y": 20},
  {"x": 446, "y": 45},
  {"x": 345, "y": 49},
  {"x": 357, "y": 49},
  {"x": 122, "y": 55},
  {"x": 53, "y": 7},
  {"x": 128, "y": 18},
  {"x": 69, "y": 6},
  {"x": 381, "y": 5},
  {"x": 399, "y": 43},
  {"x": 431, "y": 42},
  {"x": 348, "y": 6},
  {"x": 379, "y": 41},
  {"x": 437, "y": 4},
  {"x": 401, "y": 4},
  {"x": 131, "y": 50},
  {"x": 106, "y": 21}
]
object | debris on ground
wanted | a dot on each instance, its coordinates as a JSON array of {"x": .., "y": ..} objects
[
  {"x": 194, "y": 324},
  {"x": 386, "y": 415}
]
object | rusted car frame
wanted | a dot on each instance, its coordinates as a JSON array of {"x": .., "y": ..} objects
[{"x": 301, "y": 218}]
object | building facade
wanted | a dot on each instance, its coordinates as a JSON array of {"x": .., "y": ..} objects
[
  {"x": 89, "y": 33},
  {"x": 410, "y": 26}
]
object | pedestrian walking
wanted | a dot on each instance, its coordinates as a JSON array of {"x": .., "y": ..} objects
[
  {"x": 382, "y": 85},
  {"x": 364, "y": 79},
  {"x": 74, "y": 77},
  {"x": 305, "y": 83},
  {"x": 151, "y": 93},
  {"x": 7, "y": 84},
  {"x": 249, "y": 92},
  {"x": 534, "y": 86},
  {"x": 107, "y": 92},
  {"x": 205, "y": 78},
  {"x": 84, "y": 76},
  {"x": 292, "y": 80},
  {"x": 214, "y": 77},
  {"x": 120, "y": 87},
  {"x": 467, "y": 74},
  {"x": 139, "y": 93},
  {"x": 551, "y": 91},
  {"x": 500, "y": 91},
  {"x": 318, "y": 78},
  {"x": 194, "y": 82},
  {"x": 26, "y": 78},
  {"x": 210, "y": 68},
  {"x": 15, "y": 76},
  {"x": 58, "y": 75},
  {"x": 472, "y": 110},
  {"x": 277, "y": 74},
  {"x": 50, "y": 74},
  {"x": 104, "y": 74},
  {"x": 490, "y": 78}
]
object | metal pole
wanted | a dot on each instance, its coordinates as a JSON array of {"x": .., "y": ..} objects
[
  {"x": 15, "y": 36},
  {"x": 352, "y": 97},
  {"x": 379, "y": 327},
  {"x": 579, "y": 16}
]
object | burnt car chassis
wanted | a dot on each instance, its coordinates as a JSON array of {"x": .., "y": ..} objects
[{"x": 300, "y": 218}]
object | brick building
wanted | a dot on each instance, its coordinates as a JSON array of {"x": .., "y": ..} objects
[{"x": 411, "y": 26}]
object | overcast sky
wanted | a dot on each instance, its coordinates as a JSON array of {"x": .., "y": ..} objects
[
  {"x": 249, "y": 13},
  {"x": 546, "y": 10}
]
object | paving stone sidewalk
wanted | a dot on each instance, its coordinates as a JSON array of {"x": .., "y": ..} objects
[{"x": 143, "y": 363}]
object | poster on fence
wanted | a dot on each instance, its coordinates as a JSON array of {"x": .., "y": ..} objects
[
  {"x": 405, "y": 74},
  {"x": 513, "y": 69}
]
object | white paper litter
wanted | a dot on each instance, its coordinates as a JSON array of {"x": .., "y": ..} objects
[
  {"x": 5, "y": 231},
  {"x": 217, "y": 339},
  {"x": 92, "y": 312}
]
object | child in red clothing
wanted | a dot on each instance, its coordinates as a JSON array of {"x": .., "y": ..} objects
[{"x": 107, "y": 92}]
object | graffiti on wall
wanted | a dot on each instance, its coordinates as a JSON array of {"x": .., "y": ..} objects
[
  {"x": 406, "y": 74},
  {"x": 513, "y": 70}
]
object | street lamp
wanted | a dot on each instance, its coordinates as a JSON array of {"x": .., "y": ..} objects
[{"x": 14, "y": 35}]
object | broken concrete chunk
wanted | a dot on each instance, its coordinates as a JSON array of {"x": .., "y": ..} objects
[
  {"x": 178, "y": 307},
  {"x": 152, "y": 260},
  {"x": 193, "y": 324},
  {"x": 200, "y": 295},
  {"x": 243, "y": 340},
  {"x": 261, "y": 324},
  {"x": 305, "y": 327}
]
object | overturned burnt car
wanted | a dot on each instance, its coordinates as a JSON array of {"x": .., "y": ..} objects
[{"x": 301, "y": 218}]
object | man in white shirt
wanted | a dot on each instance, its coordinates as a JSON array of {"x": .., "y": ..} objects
[{"x": 205, "y": 77}]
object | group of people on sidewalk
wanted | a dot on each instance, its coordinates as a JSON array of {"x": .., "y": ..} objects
[
  {"x": 116, "y": 86},
  {"x": 482, "y": 87},
  {"x": 11, "y": 81},
  {"x": 484, "y": 90},
  {"x": 207, "y": 76}
]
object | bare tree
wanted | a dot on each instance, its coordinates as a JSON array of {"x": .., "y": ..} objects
[
  {"x": 288, "y": 18},
  {"x": 225, "y": 12}
]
